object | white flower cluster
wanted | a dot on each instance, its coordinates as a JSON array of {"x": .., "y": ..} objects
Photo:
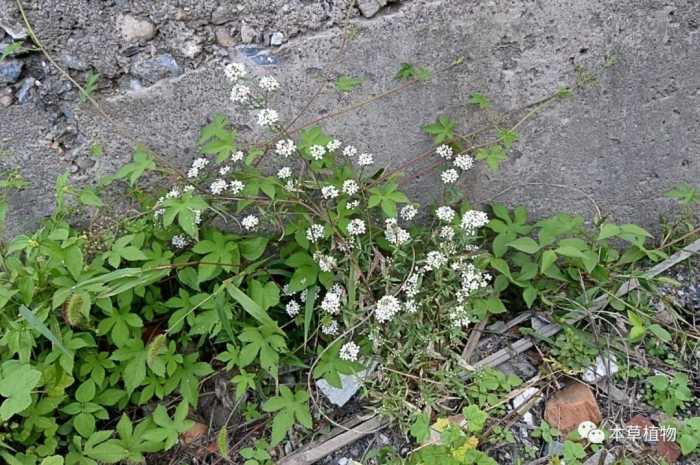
[
  {"x": 350, "y": 187},
  {"x": 293, "y": 308},
  {"x": 449, "y": 176},
  {"x": 333, "y": 145},
  {"x": 317, "y": 151},
  {"x": 447, "y": 233},
  {"x": 411, "y": 286},
  {"x": 408, "y": 212},
  {"x": 237, "y": 156},
  {"x": 464, "y": 162},
  {"x": 330, "y": 328},
  {"x": 236, "y": 186},
  {"x": 445, "y": 214},
  {"x": 325, "y": 262},
  {"x": 331, "y": 303},
  {"x": 284, "y": 173},
  {"x": 459, "y": 317},
  {"x": 285, "y": 147},
  {"x": 434, "y": 260},
  {"x": 473, "y": 220},
  {"x": 365, "y": 159},
  {"x": 329, "y": 192},
  {"x": 218, "y": 186},
  {"x": 269, "y": 84},
  {"x": 471, "y": 279},
  {"x": 268, "y": 117},
  {"x": 356, "y": 227},
  {"x": 179, "y": 241},
  {"x": 352, "y": 204},
  {"x": 349, "y": 151},
  {"x": 349, "y": 351},
  {"x": 250, "y": 222},
  {"x": 395, "y": 234},
  {"x": 240, "y": 93},
  {"x": 224, "y": 170},
  {"x": 386, "y": 308},
  {"x": 444, "y": 151},
  {"x": 197, "y": 165},
  {"x": 315, "y": 232},
  {"x": 235, "y": 71}
]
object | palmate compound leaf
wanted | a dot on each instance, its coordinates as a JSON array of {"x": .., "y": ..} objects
[
  {"x": 291, "y": 408},
  {"x": 17, "y": 382}
]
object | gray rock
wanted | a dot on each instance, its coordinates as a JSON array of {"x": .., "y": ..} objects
[
  {"x": 10, "y": 71},
  {"x": 13, "y": 28},
  {"x": 340, "y": 396},
  {"x": 6, "y": 97},
  {"x": 133, "y": 29},
  {"x": 276, "y": 39},
  {"x": 248, "y": 34},
  {"x": 223, "y": 37},
  {"x": 85, "y": 162},
  {"x": 259, "y": 56},
  {"x": 553, "y": 448},
  {"x": 223, "y": 14},
  {"x": 24, "y": 92},
  {"x": 602, "y": 457},
  {"x": 369, "y": 8},
  {"x": 154, "y": 69},
  {"x": 73, "y": 62}
]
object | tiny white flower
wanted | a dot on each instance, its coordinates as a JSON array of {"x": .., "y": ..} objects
[
  {"x": 447, "y": 233},
  {"x": 286, "y": 290},
  {"x": 352, "y": 204},
  {"x": 317, "y": 151},
  {"x": 473, "y": 220},
  {"x": 445, "y": 214},
  {"x": 239, "y": 93},
  {"x": 269, "y": 84},
  {"x": 333, "y": 145},
  {"x": 218, "y": 186},
  {"x": 224, "y": 170},
  {"x": 325, "y": 262},
  {"x": 250, "y": 222},
  {"x": 395, "y": 234},
  {"x": 330, "y": 329},
  {"x": 365, "y": 159},
  {"x": 356, "y": 227},
  {"x": 350, "y": 187},
  {"x": 197, "y": 216},
  {"x": 349, "y": 151},
  {"x": 386, "y": 308},
  {"x": 464, "y": 162},
  {"x": 329, "y": 192},
  {"x": 236, "y": 187},
  {"x": 268, "y": 117},
  {"x": 237, "y": 156},
  {"x": 179, "y": 241},
  {"x": 293, "y": 308},
  {"x": 285, "y": 147},
  {"x": 200, "y": 163},
  {"x": 331, "y": 303},
  {"x": 284, "y": 172},
  {"x": 410, "y": 306},
  {"x": 235, "y": 71},
  {"x": 434, "y": 260},
  {"x": 173, "y": 193},
  {"x": 444, "y": 151},
  {"x": 315, "y": 232},
  {"x": 408, "y": 212},
  {"x": 188, "y": 188},
  {"x": 349, "y": 351},
  {"x": 449, "y": 176}
]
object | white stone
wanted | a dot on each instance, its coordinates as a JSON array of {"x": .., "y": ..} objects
[
  {"x": 604, "y": 367},
  {"x": 350, "y": 384},
  {"x": 133, "y": 28}
]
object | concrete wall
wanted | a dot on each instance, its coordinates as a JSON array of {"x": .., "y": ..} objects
[{"x": 617, "y": 144}]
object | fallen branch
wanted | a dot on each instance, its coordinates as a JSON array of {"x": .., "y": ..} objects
[{"x": 316, "y": 451}]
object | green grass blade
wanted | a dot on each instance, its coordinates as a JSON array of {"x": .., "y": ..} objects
[{"x": 39, "y": 326}]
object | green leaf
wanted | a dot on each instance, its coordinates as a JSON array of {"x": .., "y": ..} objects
[
  {"x": 10, "y": 49},
  {"x": 90, "y": 86},
  {"x": 442, "y": 129},
  {"x": 688, "y": 443},
  {"x": 660, "y": 332},
  {"x": 685, "y": 194},
  {"x": 570, "y": 251},
  {"x": 290, "y": 408},
  {"x": 493, "y": 155},
  {"x": 608, "y": 230},
  {"x": 309, "y": 311},
  {"x": 251, "y": 307},
  {"x": 252, "y": 249},
  {"x": 549, "y": 257},
  {"x": 529, "y": 296},
  {"x": 41, "y": 328},
  {"x": 90, "y": 197},
  {"x": 525, "y": 244},
  {"x": 420, "y": 429},
  {"x": 347, "y": 83},
  {"x": 478, "y": 99},
  {"x": 222, "y": 442},
  {"x": 17, "y": 382},
  {"x": 140, "y": 163},
  {"x": 216, "y": 139}
]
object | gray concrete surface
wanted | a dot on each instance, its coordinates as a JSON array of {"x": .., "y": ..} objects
[{"x": 618, "y": 142}]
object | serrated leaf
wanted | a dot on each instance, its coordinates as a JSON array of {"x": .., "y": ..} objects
[{"x": 347, "y": 83}]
